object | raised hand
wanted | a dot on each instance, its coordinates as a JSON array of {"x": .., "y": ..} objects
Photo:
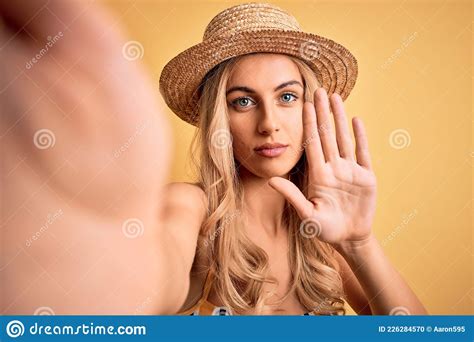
[{"x": 341, "y": 195}]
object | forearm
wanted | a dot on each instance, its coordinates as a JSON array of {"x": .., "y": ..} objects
[{"x": 384, "y": 287}]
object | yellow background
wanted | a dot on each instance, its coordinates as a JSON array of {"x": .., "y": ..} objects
[{"x": 415, "y": 74}]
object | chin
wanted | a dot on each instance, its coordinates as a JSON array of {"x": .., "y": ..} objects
[{"x": 270, "y": 168}]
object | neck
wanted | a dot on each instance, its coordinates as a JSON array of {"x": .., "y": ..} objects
[{"x": 263, "y": 206}]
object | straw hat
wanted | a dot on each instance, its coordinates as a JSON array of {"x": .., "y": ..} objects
[{"x": 250, "y": 28}]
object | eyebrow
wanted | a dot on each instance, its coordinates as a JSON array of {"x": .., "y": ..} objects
[{"x": 251, "y": 91}]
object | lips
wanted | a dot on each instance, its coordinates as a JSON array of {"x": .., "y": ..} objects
[{"x": 271, "y": 150}]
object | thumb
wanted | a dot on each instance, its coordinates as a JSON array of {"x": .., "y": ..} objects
[{"x": 294, "y": 195}]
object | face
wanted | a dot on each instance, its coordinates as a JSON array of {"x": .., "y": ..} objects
[{"x": 265, "y": 97}]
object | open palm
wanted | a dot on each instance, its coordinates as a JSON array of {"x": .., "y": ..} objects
[{"x": 341, "y": 194}]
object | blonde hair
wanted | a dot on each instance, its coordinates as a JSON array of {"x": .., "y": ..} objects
[{"x": 240, "y": 266}]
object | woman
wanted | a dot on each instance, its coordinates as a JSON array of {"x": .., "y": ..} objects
[{"x": 280, "y": 220}]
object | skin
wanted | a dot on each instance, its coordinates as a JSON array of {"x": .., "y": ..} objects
[
  {"x": 80, "y": 90},
  {"x": 265, "y": 116},
  {"x": 83, "y": 264}
]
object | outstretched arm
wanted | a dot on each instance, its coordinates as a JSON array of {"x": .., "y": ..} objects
[{"x": 86, "y": 155}]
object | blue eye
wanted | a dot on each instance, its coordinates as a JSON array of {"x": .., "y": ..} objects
[
  {"x": 246, "y": 101},
  {"x": 242, "y": 101},
  {"x": 287, "y": 97}
]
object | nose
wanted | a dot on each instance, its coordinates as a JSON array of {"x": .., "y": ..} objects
[{"x": 268, "y": 119}]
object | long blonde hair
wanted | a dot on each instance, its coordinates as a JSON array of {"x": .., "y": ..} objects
[{"x": 240, "y": 266}]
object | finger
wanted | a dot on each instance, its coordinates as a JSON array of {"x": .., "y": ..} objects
[
  {"x": 312, "y": 142},
  {"x": 294, "y": 195},
  {"x": 362, "y": 144},
  {"x": 328, "y": 140},
  {"x": 343, "y": 137}
]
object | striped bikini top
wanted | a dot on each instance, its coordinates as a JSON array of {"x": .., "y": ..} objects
[{"x": 204, "y": 308}]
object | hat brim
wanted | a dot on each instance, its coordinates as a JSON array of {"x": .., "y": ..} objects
[{"x": 334, "y": 66}]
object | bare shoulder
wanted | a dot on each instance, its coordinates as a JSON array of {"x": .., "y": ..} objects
[
  {"x": 184, "y": 187},
  {"x": 188, "y": 196},
  {"x": 184, "y": 210}
]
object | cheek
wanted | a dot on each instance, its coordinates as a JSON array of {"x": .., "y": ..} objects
[
  {"x": 241, "y": 141},
  {"x": 295, "y": 131}
]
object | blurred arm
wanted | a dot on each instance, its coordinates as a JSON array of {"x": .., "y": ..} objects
[{"x": 85, "y": 156}]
